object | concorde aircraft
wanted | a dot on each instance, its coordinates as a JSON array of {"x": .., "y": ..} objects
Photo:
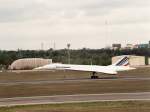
[{"x": 121, "y": 65}]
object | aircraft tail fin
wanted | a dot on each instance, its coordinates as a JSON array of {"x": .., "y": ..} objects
[{"x": 122, "y": 62}]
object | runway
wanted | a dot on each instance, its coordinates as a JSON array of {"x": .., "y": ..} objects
[
  {"x": 71, "y": 80},
  {"x": 74, "y": 98}
]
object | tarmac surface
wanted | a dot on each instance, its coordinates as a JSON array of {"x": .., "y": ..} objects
[
  {"x": 69, "y": 80},
  {"x": 74, "y": 98},
  {"x": 77, "y": 97}
]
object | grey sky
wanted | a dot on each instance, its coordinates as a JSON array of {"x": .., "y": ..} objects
[{"x": 26, "y": 24}]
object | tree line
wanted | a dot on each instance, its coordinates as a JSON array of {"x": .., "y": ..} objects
[{"x": 81, "y": 56}]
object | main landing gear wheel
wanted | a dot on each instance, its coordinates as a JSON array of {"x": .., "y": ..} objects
[{"x": 94, "y": 76}]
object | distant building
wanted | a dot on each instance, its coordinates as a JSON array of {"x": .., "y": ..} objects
[
  {"x": 136, "y": 46},
  {"x": 143, "y": 46},
  {"x": 116, "y": 46},
  {"x": 133, "y": 60},
  {"x": 131, "y": 46},
  {"x": 29, "y": 63}
]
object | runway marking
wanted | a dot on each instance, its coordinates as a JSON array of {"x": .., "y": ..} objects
[
  {"x": 91, "y": 101},
  {"x": 136, "y": 93},
  {"x": 77, "y": 98}
]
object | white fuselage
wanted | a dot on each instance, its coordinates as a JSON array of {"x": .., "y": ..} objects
[{"x": 91, "y": 68}]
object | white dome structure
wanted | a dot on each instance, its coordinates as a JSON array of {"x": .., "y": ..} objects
[{"x": 29, "y": 63}]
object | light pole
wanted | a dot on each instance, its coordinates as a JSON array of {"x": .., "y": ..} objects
[{"x": 68, "y": 46}]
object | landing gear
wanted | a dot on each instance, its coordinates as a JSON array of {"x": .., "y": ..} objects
[{"x": 94, "y": 76}]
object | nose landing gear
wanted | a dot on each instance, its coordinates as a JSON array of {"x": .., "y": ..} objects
[{"x": 94, "y": 76}]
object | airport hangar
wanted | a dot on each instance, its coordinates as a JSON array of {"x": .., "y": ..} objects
[
  {"x": 134, "y": 60},
  {"x": 29, "y": 63}
]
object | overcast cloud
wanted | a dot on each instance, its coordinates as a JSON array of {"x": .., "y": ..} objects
[{"x": 25, "y": 24}]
